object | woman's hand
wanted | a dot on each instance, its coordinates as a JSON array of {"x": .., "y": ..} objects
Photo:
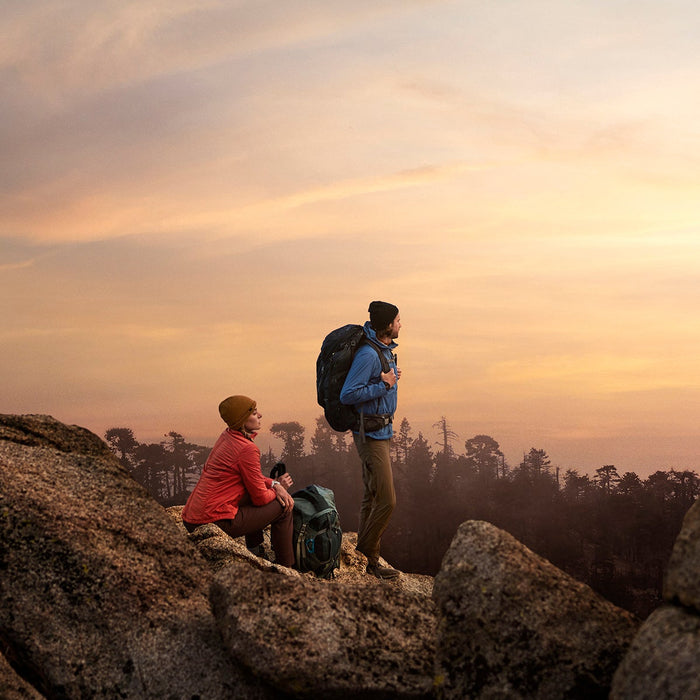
[
  {"x": 283, "y": 497},
  {"x": 286, "y": 481}
]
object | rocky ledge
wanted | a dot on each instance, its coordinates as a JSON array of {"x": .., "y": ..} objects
[{"x": 104, "y": 594}]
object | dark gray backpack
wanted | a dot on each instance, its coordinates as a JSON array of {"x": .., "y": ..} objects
[
  {"x": 317, "y": 534},
  {"x": 332, "y": 366}
]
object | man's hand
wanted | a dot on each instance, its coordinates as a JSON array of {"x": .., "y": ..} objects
[
  {"x": 283, "y": 497},
  {"x": 389, "y": 377}
]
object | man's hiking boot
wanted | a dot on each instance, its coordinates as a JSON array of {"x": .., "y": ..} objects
[{"x": 382, "y": 572}]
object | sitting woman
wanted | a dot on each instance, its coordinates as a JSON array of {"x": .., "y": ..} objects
[{"x": 232, "y": 491}]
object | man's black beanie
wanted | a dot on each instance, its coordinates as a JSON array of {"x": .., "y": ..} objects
[{"x": 382, "y": 314}]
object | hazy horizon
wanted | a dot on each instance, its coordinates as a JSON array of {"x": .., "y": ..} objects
[
  {"x": 194, "y": 194},
  {"x": 582, "y": 457}
]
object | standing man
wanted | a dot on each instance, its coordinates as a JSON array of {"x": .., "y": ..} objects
[{"x": 372, "y": 392}]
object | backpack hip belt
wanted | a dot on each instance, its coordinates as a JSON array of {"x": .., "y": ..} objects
[{"x": 371, "y": 422}]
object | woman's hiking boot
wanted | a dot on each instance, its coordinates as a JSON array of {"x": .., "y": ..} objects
[
  {"x": 259, "y": 551},
  {"x": 382, "y": 572}
]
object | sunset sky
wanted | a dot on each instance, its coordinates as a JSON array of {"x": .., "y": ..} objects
[{"x": 193, "y": 193}]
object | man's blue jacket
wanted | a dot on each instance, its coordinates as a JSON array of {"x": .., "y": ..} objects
[{"x": 363, "y": 387}]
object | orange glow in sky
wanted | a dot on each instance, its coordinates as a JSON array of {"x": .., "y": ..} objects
[{"x": 193, "y": 194}]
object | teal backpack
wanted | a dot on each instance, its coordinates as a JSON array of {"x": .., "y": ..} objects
[{"x": 317, "y": 534}]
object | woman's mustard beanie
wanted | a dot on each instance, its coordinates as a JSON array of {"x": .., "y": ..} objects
[{"x": 236, "y": 409}]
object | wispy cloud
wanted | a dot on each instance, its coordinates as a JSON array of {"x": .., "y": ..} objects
[
  {"x": 106, "y": 43},
  {"x": 22, "y": 264},
  {"x": 415, "y": 177}
]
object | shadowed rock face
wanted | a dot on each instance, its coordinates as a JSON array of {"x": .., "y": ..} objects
[
  {"x": 100, "y": 595},
  {"x": 12, "y": 687},
  {"x": 682, "y": 583},
  {"x": 512, "y": 625},
  {"x": 663, "y": 662}
]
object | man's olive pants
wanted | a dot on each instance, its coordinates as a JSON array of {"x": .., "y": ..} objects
[{"x": 379, "y": 498}]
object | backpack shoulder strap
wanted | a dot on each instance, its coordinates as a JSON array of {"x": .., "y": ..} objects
[{"x": 382, "y": 357}]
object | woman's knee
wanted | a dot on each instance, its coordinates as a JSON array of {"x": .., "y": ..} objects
[{"x": 285, "y": 516}]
